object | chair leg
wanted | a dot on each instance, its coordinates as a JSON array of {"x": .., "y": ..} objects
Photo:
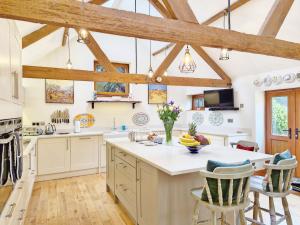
[
  {"x": 287, "y": 211},
  {"x": 196, "y": 213},
  {"x": 213, "y": 218},
  {"x": 256, "y": 205},
  {"x": 242, "y": 217},
  {"x": 272, "y": 211},
  {"x": 223, "y": 219}
]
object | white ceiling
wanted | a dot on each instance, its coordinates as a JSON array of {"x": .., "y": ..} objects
[{"x": 247, "y": 19}]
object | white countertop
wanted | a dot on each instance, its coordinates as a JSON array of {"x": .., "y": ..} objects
[
  {"x": 176, "y": 159},
  {"x": 223, "y": 132}
]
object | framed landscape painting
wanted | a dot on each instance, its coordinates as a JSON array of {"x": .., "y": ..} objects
[
  {"x": 109, "y": 88},
  {"x": 59, "y": 91},
  {"x": 157, "y": 94}
]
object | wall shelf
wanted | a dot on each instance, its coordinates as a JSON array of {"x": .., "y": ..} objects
[{"x": 113, "y": 101}]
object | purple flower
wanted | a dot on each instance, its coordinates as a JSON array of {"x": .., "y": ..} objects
[{"x": 171, "y": 103}]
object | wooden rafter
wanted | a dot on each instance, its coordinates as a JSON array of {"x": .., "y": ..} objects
[
  {"x": 98, "y": 53},
  {"x": 209, "y": 21},
  {"x": 97, "y": 2},
  {"x": 183, "y": 12},
  {"x": 276, "y": 17},
  {"x": 65, "y": 36},
  {"x": 168, "y": 60},
  {"x": 124, "y": 23},
  {"x": 161, "y": 8},
  {"x": 82, "y": 75},
  {"x": 38, "y": 35}
]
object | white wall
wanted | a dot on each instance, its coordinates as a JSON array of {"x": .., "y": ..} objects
[{"x": 36, "y": 109}]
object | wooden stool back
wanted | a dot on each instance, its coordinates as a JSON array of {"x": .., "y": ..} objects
[
  {"x": 286, "y": 169},
  {"x": 241, "y": 174}
]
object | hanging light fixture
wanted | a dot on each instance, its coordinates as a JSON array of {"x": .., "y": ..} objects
[
  {"x": 150, "y": 71},
  {"x": 69, "y": 63},
  {"x": 83, "y": 33},
  {"x": 224, "y": 55},
  {"x": 187, "y": 65}
]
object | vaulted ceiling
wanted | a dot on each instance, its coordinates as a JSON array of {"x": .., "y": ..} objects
[{"x": 248, "y": 18}]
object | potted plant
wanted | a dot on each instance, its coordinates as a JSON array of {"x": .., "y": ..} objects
[{"x": 169, "y": 113}]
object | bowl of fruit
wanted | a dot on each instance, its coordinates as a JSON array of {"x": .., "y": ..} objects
[{"x": 194, "y": 143}]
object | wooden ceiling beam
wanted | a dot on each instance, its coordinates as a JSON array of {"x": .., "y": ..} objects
[
  {"x": 124, "y": 23},
  {"x": 209, "y": 21},
  {"x": 168, "y": 60},
  {"x": 65, "y": 36},
  {"x": 38, "y": 35},
  {"x": 161, "y": 8},
  {"x": 275, "y": 18},
  {"x": 184, "y": 12},
  {"x": 98, "y": 2},
  {"x": 82, "y": 75},
  {"x": 98, "y": 53}
]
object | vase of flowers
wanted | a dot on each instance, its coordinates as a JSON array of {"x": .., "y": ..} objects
[{"x": 169, "y": 113}]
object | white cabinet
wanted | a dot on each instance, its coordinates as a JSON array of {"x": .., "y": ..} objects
[
  {"x": 84, "y": 152},
  {"x": 53, "y": 156},
  {"x": 5, "y": 79},
  {"x": 10, "y": 62}
]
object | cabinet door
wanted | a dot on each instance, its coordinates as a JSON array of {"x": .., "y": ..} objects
[
  {"x": 103, "y": 157},
  {"x": 5, "y": 76},
  {"x": 84, "y": 152},
  {"x": 110, "y": 167},
  {"x": 53, "y": 156},
  {"x": 15, "y": 64}
]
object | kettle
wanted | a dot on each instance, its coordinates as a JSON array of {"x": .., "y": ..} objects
[{"x": 50, "y": 129}]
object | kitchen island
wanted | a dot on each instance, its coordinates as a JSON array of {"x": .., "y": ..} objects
[{"x": 154, "y": 183}]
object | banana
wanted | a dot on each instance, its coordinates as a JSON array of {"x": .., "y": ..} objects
[{"x": 187, "y": 140}]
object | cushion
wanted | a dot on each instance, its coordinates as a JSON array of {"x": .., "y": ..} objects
[
  {"x": 213, "y": 183},
  {"x": 242, "y": 147},
  {"x": 276, "y": 173}
]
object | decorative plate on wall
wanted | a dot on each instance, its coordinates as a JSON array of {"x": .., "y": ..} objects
[
  {"x": 198, "y": 118},
  {"x": 216, "y": 118},
  {"x": 140, "y": 119},
  {"x": 86, "y": 120}
]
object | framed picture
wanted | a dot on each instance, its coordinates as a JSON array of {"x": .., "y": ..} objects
[
  {"x": 157, "y": 94},
  {"x": 59, "y": 91},
  {"x": 109, "y": 88},
  {"x": 198, "y": 102}
]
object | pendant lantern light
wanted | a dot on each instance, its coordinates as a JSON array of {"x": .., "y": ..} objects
[
  {"x": 83, "y": 36},
  {"x": 224, "y": 55},
  {"x": 150, "y": 71},
  {"x": 187, "y": 65},
  {"x": 69, "y": 63}
]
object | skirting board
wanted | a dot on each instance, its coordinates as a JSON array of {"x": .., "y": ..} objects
[{"x": 67, "y": 174}]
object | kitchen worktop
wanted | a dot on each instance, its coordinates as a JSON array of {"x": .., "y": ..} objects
[{"x": 176, "y": 159}]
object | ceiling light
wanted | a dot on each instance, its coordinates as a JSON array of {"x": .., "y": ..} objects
[
  {"x": 224, "y": 55},
  {"x": 150, "y": 72},
  {"x": 83, "y": 36},
  {"x": 187, "y": 64}
]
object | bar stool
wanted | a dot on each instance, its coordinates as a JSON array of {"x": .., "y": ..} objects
[
  {"x": 278, "y": 185},
  {"x": 245, "y": 145},
  {"x": 233, "y": 186}
]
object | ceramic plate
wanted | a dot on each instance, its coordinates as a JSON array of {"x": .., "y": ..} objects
[
  {"x": 140, "y": 119},
  {"x": 86, "y": 120}
]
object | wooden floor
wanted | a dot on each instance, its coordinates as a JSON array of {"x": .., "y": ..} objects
[
  {"x": 74, "y": 201},
  {"x": 84, "y": 201}
]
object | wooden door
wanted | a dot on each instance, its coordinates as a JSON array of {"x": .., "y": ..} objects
[
  {"x": 297, "y": 129},
  {"x": 53, "y": 156},
  {"x": 283, "y": 121},
  {"x": 84, "y": 153}
]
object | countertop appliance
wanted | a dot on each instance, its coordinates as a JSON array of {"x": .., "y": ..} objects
[
  {"x": 50, "y": 129},
  {"x": 32, "y": 131}
]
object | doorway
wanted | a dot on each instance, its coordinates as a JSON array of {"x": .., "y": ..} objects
[{"x": 283, "y": 122}]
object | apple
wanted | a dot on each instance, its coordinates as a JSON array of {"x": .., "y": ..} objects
[{"x": 203, "y": 140}]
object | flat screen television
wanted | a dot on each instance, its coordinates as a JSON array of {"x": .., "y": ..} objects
[{"x": 219, "y": 98}]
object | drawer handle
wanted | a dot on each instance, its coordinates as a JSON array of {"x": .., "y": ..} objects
[
  {"x": 124, "y": 154},
  {"x": 21, "y": 215},
  {"x": 125, "y": 189},
  {"x": 124, "y": 167},
  {"x": 11, "y": 210},
  {"x": 84, "y": 138}
]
